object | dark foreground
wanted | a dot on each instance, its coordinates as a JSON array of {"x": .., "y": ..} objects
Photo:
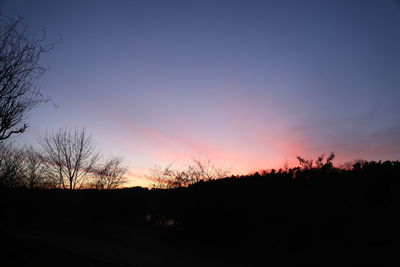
[
  {"x": 41, "y": 248},
  {"x": 26, "y": 252},
  {"x": 318, "y": 216}
]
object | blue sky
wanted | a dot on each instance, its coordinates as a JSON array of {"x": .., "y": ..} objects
[{"x": 248, "y": 84}]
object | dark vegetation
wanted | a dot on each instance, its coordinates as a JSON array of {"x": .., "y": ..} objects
[
  {"x": 314, "y": 213},
  {"x": 311, "y": 214}
]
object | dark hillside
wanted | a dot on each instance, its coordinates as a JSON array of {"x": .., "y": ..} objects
[{"x": 300, "y": 215}]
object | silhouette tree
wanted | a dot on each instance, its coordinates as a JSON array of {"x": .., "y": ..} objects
[
  {"x": 19, "y": 74},
  {"x": 70, "y": 156},
  {"x": 34, "y": 168},
  {"x": 307, "y": 164},
  {"x": 110, "y": 175},
  {"x": 205, "y": 171},
  {"x": 161, "y": 176},
  {"x": 11, "y": 166},
  {"x": 198, "y": 171}
]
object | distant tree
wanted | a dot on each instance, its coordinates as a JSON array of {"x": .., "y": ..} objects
[
  {"x": 70, "y": 156},
  {"x": 34, "y": 170},
  {"x": 180, "y": 178},
  {"x": 307, "y": 164},
  {"x": 347, "y": 165},
  {"x": 359, "y": 163},
  {"x": 205, "y": 170},
  {"x": 110, "y": 175},
  {"x": 198, "y": 171},
  {"x": 19, "y": 75},
  {"x": 11, "y": 166},
  {"x": 161, "y": 176}
]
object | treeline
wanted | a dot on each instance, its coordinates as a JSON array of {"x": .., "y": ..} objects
[
  {"x": 312, "y": 211},
  {"x": 65, "y": 159}
]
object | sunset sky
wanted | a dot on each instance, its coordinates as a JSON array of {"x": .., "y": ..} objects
[{"x": 247, "y": 84}]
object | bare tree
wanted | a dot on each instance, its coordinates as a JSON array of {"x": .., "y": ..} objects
[
  {"x": 161, "y": 176},
  {"x": 34, "y": 172},
  {"x": 70, "y": 156},
  {"x": 205, "y": 170},
  {"x": 11, "y": 166},
  {"x": 180, "y": 178},
  {"x": 19, "y": 74},
  {"x": 198, "y": 171},
  {"x": 110, "y": 175}
]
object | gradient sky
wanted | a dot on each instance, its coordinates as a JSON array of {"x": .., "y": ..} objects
[{"x": 247, "y": 84}]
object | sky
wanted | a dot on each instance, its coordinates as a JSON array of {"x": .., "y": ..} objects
[{"x": 249, "y": 85}]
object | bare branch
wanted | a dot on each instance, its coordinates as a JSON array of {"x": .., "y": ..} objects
[
  {"x": 70, "y": 155},
  {"x": 110, "y": 175},
  {"x": 19, "y": 74}
]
